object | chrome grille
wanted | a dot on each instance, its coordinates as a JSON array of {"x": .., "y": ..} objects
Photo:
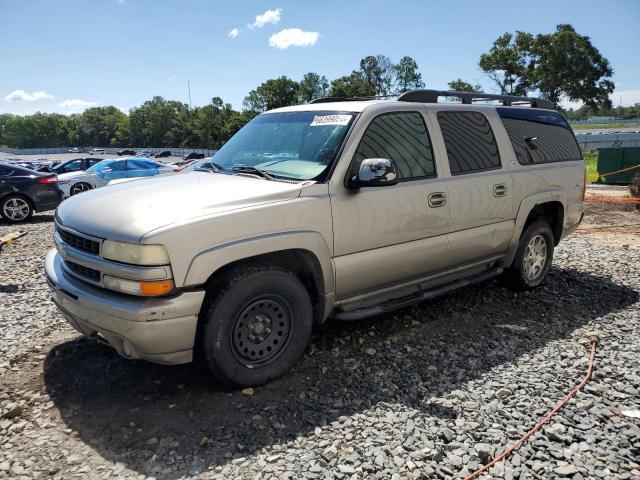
[{"x": 81, "y": 243}]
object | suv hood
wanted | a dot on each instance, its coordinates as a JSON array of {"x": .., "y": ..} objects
[{"x": 127, "y": 211}]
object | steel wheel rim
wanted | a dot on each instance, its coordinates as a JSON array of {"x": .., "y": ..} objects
[
  {"x": 535, "y": 257},
  {"x": 79, "y": 188},
  {"x": 16, "y": 209},
  {"x": 261, "y": 331}
]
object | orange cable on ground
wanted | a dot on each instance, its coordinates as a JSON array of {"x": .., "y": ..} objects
[
  {"x": 594, "y": 340},
  {"x": 618, "y": 200},
  {"x": 618, "y": 171}
]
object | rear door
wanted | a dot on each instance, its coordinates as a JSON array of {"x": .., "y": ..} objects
[
  {"x": 481, "y": 197},
  {"x": 388, "y": 235}
]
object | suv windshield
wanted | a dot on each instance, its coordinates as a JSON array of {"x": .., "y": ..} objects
[{"x": 291, "y": 145}]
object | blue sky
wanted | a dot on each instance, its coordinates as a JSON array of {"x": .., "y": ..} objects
[{"x": 64, "y": 55}]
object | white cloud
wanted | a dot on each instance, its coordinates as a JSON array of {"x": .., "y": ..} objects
[
  {"x": 76, "y": 105},
  {"x": 21, "y": 95},
  {"x": 172, "y": 78},
  {"x": 293, "y": 37},
  {"x": 234, "y": 33},
  {"x": 270, "y": 16}
]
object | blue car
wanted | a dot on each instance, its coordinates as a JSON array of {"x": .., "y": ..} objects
[{"x": 109, "y": 170}]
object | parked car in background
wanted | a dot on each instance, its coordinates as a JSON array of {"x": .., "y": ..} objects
[
  {"x": 126, "y": 152},
  {"x": 94, "y": 151},
  {"x": 193, "y": 156},
  {"x": 24, "y": 191},
  {"x": 163, "y": 154},
  {"x": 104, "y": 171},
  {"x": 144, "y": 153},
  {"x": 205, "y": 163},
  {"x": 75, "y": 150},
  {"x": 74, "y": 165}
]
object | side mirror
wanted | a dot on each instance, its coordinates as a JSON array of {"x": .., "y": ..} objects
[{"x": 375, "y": 172}]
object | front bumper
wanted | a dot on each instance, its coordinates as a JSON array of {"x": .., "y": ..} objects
[{"x": 160, "y": 330}]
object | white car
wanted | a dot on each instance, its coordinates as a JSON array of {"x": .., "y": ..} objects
[
  {"x": 106, "y": 171},
  {"x": 96, "y": 150},
  {"x": 74, "y": 150}
]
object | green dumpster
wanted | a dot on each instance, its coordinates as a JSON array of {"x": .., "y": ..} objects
[{"x": 614, "y": 159}]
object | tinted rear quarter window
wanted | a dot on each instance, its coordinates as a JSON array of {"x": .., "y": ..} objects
[
  {"x": 539, "y": 136},
  {"x": 470, "y": 143},
  {"x": 403, "y": 138}
]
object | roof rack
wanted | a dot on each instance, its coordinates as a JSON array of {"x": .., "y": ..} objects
[
  {"x": 346, "y": 99},
  {"x": 431, "y": 96}
]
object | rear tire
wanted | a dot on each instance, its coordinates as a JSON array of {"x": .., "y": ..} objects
[
  {"x": 16, "y": 208},
  {"x": 79, "y": 187},
  {"x": 255, "y": 326},
  {"x": 533, "y": 258}
]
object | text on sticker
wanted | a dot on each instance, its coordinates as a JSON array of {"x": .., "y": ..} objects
[{"x": 330, "y": 120}]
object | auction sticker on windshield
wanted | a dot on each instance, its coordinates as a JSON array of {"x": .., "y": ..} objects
[{"x": 330, "y": 120}]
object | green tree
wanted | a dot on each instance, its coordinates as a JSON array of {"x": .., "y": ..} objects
[
  {"x": 350, "y": 86},
  {"x": 98, "y": 125},
  {"x": 508, "y": 63},
  {"x": 407, "y": 75},
  {"x": 567, "y": 65},
  {"x": 562, "y": 64},
  {"x": 312, "y": 86},
  {"x": 159, "y": 123},
  {"x": 460, "y": 85},
  {"x": 274, "y": 93},
  {"x": 377, "y": 72}
]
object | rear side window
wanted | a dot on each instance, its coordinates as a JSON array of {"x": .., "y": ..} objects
[
  {"x": 5, "y": 171},
  {"x": 471, "y": 145},
  {"x": 539, "y": 136},
  {"x": 403, "y": 138}
]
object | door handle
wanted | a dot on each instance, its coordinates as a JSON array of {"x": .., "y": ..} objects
[
  {"x": 499, "y": 190},
  {"x": 437, "y": 199}
]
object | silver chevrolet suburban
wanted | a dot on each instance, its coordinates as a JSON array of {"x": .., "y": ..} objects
[{"x": 342, "y": 208}]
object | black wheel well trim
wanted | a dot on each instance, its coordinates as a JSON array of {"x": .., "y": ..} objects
[
  {"x": 553, "y": 213},
  {"x": 301, "y": 262}
]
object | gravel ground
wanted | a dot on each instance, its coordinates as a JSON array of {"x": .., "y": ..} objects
[{"x": 433, "y": 391}]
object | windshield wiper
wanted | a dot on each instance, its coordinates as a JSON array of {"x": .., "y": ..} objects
[
  {"x": 215, "y": 168},
  {"x": 254, "y": 171}
]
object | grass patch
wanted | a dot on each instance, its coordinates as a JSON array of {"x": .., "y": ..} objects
[
  {"x": 591, "y": 164},
  {"x": 592, "y": 126}
]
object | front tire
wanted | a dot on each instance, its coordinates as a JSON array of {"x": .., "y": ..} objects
[
  {"x": 255, "y": 325},
  {"x": 533, "y": 258},
  {"x": 16, "y": 208}
]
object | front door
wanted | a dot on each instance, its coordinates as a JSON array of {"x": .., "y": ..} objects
[{"x": 388, "y": 235}]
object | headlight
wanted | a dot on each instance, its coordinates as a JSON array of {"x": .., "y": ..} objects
[
  {"x": 134, "y": 253},
  {"x": 134, "y": 287}
]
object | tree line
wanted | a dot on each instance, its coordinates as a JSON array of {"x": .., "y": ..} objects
[{"x": 560, "y": 65}]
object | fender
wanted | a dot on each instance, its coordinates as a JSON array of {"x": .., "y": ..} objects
[
  {"x": 528, "y": 203},
  {"x": 210, "y": 261}
]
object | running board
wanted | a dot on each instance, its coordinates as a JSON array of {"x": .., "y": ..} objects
[{"x": 390, "y": 305}]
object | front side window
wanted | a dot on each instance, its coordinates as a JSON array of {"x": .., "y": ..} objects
[
  {"x": 470, "y": 143},
  {"x": 403, "y": 138},
  {"x": 288, "y": 145}
]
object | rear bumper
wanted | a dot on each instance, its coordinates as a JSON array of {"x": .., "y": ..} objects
[{"x": 160, "y": 330}]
